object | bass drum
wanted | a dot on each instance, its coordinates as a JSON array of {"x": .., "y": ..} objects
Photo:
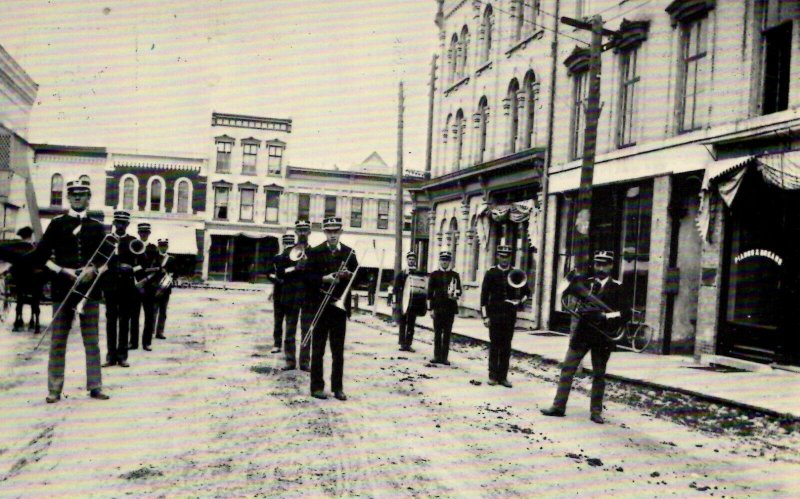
[{"x": 415, "y": 294}]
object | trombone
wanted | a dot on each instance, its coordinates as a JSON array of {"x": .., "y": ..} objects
[
  {"x": 98, "y": 261},
  {"x": 326, "y": 297}
]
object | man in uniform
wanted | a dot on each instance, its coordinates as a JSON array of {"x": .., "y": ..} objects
[
  {"x": 119, "y": 292},
  {"x": 66, "y": 248},
  {"x": 167, "y": 265},
  {"x": 408, "y": 318},
  {"x": 589, "y": 334},
  {"x": 277, "y": 292},
  {"x": 331, "y": 264},
  {"x": 499, "y": 303},
  {"x": 444, "y": 289},
  {"x": 294, "y": 299},
  {"x": 145, "y": 271}
]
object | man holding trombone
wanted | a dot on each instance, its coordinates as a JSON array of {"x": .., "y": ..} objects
[
  {"x": 76, "y": 248},
  {"x": 331, "y": 265}
]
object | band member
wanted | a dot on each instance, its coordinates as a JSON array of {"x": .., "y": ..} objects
[
  {"x": 145, "y": 272},
  {"x": 330, "y": 265},
  {"x": 119, "y": 292},
  {"x": 294, "y": 294},
  {"x": 66, "y": 247},
  {"x": 163, "y": 286},
  {"x": 444, "y": 289},
  {"x": 416, "y": 305},
  {"x": 588, "y": 335},
  {"x": 499, "y": 303},
  {"x": 277, "y": 292},
  {"x": 28, "y": 283}
]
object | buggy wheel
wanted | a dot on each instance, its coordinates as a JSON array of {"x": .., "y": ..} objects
[{"x": 641, "y": 338}]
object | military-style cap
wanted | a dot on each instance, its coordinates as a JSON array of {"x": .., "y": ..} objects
[
  {"x": 144, "y": 227},
  {"x": 503, "y": 250},
  {"x": 302, "y": 225},
  {"x": 287, "y": 239},
  {"x": 445, "y": 255},
  {"x": 122, "y": 216},
  {"x": 332, "y": 223},
  {"x": 411, "y": 254},
  {"x": 79, "y": 186},
  {"x": 604, "y": 256},
  {"x": 163, "y": 241}
]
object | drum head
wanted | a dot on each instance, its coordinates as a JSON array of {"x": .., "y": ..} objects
[{"x": 406, "y": 298}]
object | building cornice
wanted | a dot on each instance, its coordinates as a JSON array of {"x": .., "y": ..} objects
[
  {"x": 16, "y": 78},
  {"x": 252, "y": 122},
  {"x": 491, "y": 167}
]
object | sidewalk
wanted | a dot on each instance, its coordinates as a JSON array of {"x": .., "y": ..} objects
[{"x": 756, "y": 390}]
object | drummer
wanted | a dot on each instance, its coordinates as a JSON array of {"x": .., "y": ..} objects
[{"x": 410, "y": 303}]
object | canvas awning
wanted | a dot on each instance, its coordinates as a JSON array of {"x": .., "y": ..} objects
[
  {"x": 182, "y": 237},
  {"x": 369, "y": 249}
]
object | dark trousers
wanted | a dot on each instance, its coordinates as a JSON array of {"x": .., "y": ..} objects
[
  {"x": 161, "y": 304},
  {"x": 442, "y": 327},
  {"x": 58, "y": 346},
  {"x": 575, "y": 353},
  {"x": 294, "y": 315},
  {"x": 149, "y": 307},
  {"x": 331, "y": 327},
  {"x": 280, "y": 313},
  {"x": 501, "y": 332},
  {"x": 118, "y": 318},
  {"x": 136, "y": 311},
  {"x": 407, "y": 323}
]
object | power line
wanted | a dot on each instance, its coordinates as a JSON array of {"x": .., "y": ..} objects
[{"x": 498, "y": 9}]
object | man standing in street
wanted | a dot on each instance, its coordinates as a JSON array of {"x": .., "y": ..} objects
[
  {"x": 416, "y": 302},
  {"x": 275, "y": 277},
  {"x": 145, "y": 271},
  {"x": 119, "y": 292},
  {"x": 331, "y": 264},
  {"x": 444, "y": 289},
  {"x": 163, "y": 287},
  {"x": 499, "y": 303},
  {"x": 66, "y": 248},
  {"x": 590, "y": 333},
  {"x": 294, "y": 298}
]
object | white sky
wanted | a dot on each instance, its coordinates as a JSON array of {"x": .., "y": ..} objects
[{"x": 139, "y": 74}]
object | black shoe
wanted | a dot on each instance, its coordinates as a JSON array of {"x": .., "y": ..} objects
[
  {"x": 133, "y": 347},
  {"x": 506, "y": 383},
  {"x": 110, "y": 363},
  {"x": 305, "y": 367},
  {"x": 435, "y": 361},
  {"x": 18, "y": 326},
  {"x": 124, "y": 363},
  {"x": 147, "y": 347},
  {"x": 288, "y": 367},
  {"x": 597, "y": 418},
  {"x": 161, "y": 337},
  {"x": 276, "y": 350},
  {"x": 491, "y": 382},
  {"x": 445, "y": 362},
  {"x": 340, "y": 396},
  {"x": 53, "y": 398},
  {"x": 553, "y": 411},
  {"x": 319, "y": 395},
  {"x": 37, "y": 330},
  {"x": 98, "y": 394},
  {"x": 404, "y": 348}
]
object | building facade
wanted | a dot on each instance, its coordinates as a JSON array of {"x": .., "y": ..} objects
[{"x": 18, "y": 207}]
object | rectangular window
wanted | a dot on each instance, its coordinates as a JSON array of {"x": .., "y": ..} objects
[
  {"x": 330, "y": 206},
  {"x": 221, "y": 195},
  {"x": 249, "y": 158},
  {"x": 777, "y": 59},
  {"x": 626, "y": 117},
  {"x": 356, "y": 212},
  {"x": 303, "y": 206},
  {"x": 580, "y": 90},
  {"x": 224, "y": 157},
  {"x": 692, "y": 75},
  {"x": 247, "y": 199},
  {"x": 275, "y": 160},
  {"x": 383, "y": 214},
  {"x": 273, "y": 205}
]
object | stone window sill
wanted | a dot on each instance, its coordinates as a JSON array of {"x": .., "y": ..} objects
[
  {"x": 463, "y": 81},
  {"x": 536, "y": 35}
]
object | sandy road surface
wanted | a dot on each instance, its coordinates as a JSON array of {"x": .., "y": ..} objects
[{"x": 208, "y": 413}]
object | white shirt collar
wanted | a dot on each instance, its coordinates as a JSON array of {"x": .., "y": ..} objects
[
  {"x": 603, "y": 281},
  {"x": 338, "y": 246},
  {"x": 77, "y": 214}
]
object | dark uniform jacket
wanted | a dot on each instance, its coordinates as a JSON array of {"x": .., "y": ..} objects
[
  {"x": 438, "y": 284},
  {"x": 587, "y": 335},
  {"x": 120, "y": 266},
  {"x": 147, "y": 267},
  {"x": 495, "y": 291},
  {"x": 292, "y": 276},
  {"x": 321, "y": 262},
  {"x": 70, "y": 247}
]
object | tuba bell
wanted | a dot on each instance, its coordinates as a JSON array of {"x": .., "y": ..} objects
[
  {"x": 297, "y": 253},
  {"x": 136, "y": 246},
  {"x": 517, "y": 278}
]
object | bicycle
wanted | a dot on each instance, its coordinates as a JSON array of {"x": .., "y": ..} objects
[{"x": 634, "y": 335}]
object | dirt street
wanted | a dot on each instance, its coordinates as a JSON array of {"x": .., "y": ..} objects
[{"x": 209, "y": 413}]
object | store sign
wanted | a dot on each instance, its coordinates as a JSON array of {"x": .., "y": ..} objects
[{"x": 759, "y": 252}]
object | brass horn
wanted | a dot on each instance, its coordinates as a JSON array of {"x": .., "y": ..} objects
[
  {"x": 136, "y": 246},
  {"x": 297, "y": 253},
  {"x": 517, "y": 278}
]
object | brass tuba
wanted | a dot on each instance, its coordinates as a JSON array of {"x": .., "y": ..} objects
[{"x": 516, "y": 280}]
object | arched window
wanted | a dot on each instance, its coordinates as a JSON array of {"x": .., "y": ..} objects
[
  {"x": 483, "y": 117},
  {"x": 183, "y": 196},
  {"x": 445, "y": 134},
  {"x": 487, "y": 25},
  {"x": 459, "y": 138},
  {"x": 453, "y": 239},
  {"x": 513, "y": 115},
  {"x": 475, "y": 249},
  {"x": 531, "y": 93},
  {"x": 85, "y": 178},
  {"x": 56, "y": 190},
  {"x": 442, "y": 237},
  {"x": 129, "y": 189},
  {"x": 453, "y": 54},
  {"x": 464, "y": 51},
  {"x": 155, "y": 193}
]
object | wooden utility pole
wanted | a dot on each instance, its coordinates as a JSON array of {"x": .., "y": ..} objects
[
  {"x": 398, "y": 205},
  {"x": 583, "y": 205},
  {"x": 431, "y": 94}
]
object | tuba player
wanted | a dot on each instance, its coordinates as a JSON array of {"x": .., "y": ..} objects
[{"x": 444, "y": 289}]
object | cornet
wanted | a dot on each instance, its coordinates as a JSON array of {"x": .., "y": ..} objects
[{"x": 452, "y": 290}]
